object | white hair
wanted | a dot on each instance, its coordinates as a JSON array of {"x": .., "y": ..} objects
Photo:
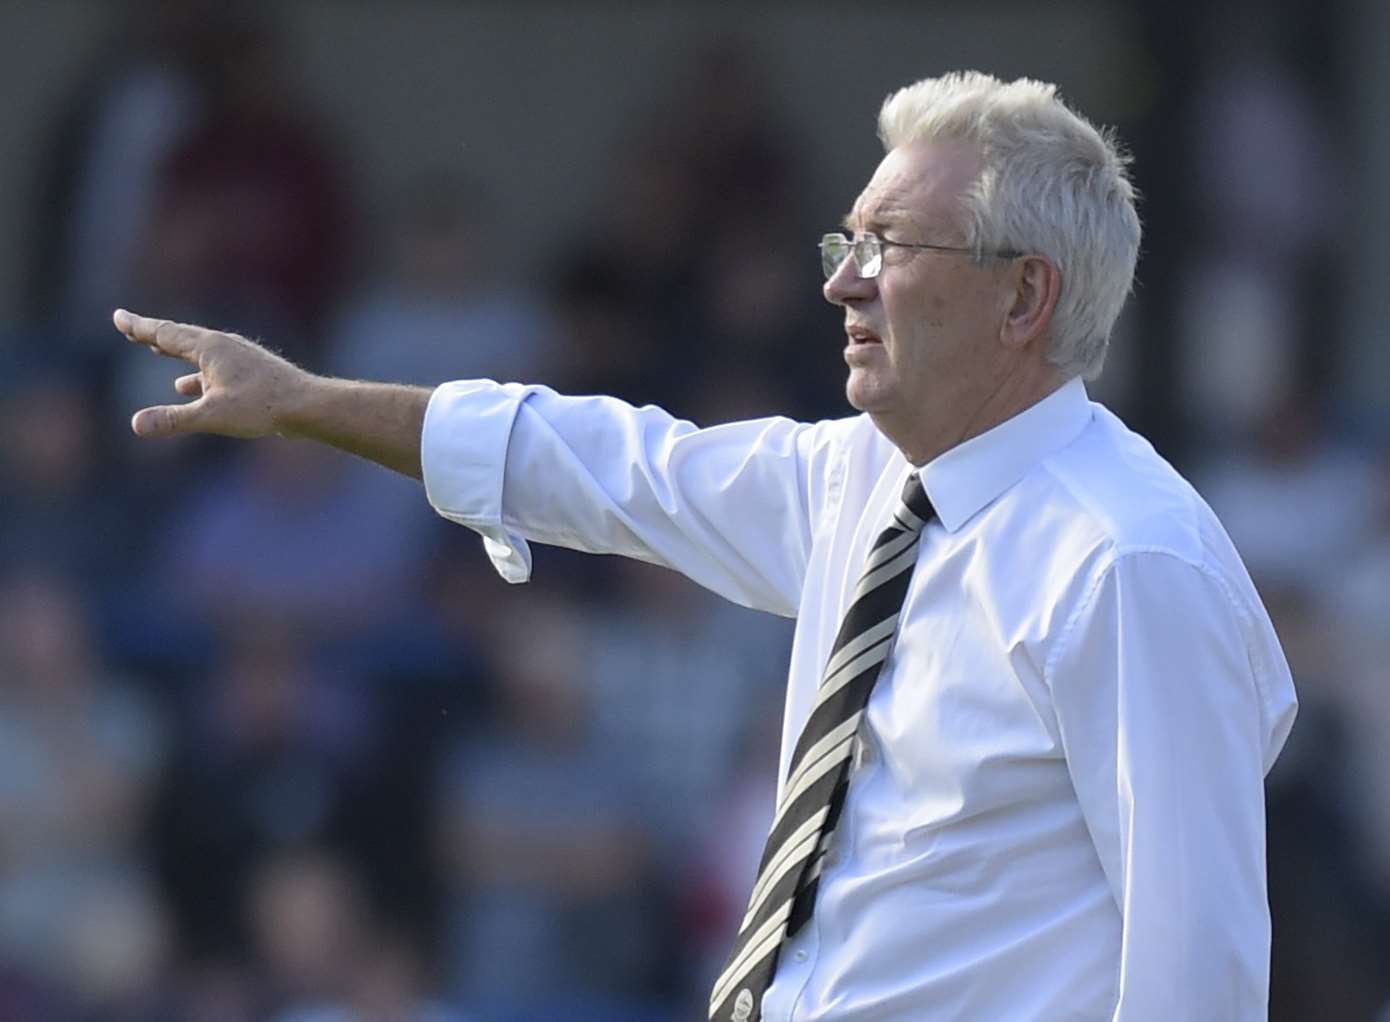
[{"x": 1052, "y": 184}]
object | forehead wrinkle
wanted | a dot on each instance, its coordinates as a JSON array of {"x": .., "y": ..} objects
[
  {"x": 888, "y": 209},
  {"x": 920, "y": 185}
]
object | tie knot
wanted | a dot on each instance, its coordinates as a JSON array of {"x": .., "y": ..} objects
[{"x": 916, "y": 503}]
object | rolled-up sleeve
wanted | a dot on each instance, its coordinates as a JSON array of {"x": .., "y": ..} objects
[
  {"x": 1171, "y": 708},
  {"x": 728, "y": 506}
]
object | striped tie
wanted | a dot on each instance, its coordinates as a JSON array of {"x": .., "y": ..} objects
[{"x": 789, "y": 873}]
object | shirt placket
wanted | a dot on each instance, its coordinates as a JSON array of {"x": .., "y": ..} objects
[{"x": 785, "y": 1000}]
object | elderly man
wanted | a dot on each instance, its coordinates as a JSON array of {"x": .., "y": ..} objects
[{"x": 1033, "y": 694}]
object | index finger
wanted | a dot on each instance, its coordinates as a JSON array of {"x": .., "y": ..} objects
[{"x": 163, "y": 335}]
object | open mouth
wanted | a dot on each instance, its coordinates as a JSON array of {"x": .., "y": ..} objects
[{"x": 858, "y": 335}]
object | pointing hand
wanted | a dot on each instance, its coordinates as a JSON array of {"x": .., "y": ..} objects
[{"x": 240, "y": 389}]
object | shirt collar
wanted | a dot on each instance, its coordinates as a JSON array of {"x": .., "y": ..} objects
[{"x": 963, "y": 480}]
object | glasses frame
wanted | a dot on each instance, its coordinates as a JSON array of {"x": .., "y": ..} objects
[{"x": 867, "y": 252}]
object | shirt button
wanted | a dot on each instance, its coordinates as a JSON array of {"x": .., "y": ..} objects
[{"x": 801, "y": 956}]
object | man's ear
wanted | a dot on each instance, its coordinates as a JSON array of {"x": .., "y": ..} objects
[{"x": 1037, "y": 283}]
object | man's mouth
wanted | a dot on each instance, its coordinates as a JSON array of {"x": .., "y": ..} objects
[{"x": 859, "y": 335}]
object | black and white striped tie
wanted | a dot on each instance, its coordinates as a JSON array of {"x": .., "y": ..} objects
[{"x": 818, "y": 777}]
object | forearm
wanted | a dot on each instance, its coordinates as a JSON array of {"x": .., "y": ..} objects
[
  {"x": 725, "y": 506},
  {"x": 378, "y": 421}
]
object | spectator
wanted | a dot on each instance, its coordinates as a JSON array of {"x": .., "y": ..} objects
[
  {"x": 101, "y": 178},
  {"x": 323, "y": 950},
  {"x": 441, "y": 309},
  {"x": 80, "y": 752},
  {"x": 540, "y": 844},
  {"x": 251, "y": 221},
  {"x": 54, "y": 469},
  {"x": 671, "y": 681},
  {"x": 1293, "y": 473},
  {"x": 280, "y": 749},
  {"x": 258, "y": 537}
]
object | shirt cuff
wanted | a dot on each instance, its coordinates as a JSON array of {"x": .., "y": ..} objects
[{"x": 463, "y": 454}]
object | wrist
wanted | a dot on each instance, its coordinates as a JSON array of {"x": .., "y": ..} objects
[{"x": 303, "y": 398}]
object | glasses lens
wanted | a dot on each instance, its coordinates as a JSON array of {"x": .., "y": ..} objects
[
  {"x": 868, "y": 256},
  {"x": 834, "y": 250}
]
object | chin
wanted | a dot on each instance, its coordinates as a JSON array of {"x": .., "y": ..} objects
[{"x": 866, "y": 394}]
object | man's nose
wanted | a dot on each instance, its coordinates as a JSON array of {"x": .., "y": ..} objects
[{"x": 845, "y": 285}]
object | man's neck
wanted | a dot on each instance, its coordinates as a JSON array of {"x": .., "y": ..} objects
[{"x": 924, "y": 440}]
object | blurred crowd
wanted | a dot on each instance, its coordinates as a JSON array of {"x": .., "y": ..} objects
[{"x": 275, "y": 742}]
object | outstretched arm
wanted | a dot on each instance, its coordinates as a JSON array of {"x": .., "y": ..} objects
[
  {"x": 241, "y": 389},
  {"x": 730, "y": 506}
]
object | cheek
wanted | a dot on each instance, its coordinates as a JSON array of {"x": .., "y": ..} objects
[
  {"x": 915, "y": 302},
  {"x": 918, "y": 321},
  {"x": 948, "y": 310}
]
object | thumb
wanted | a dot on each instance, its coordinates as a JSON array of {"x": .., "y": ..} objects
[{"x": 167, "y": 420}]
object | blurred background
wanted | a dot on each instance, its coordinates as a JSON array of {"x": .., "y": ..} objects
[{"x": 274, "y": 742}]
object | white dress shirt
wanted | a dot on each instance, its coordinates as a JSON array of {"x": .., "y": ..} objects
[{"x": 1057, "y": 809}]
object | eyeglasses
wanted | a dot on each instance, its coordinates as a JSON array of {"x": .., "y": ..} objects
[{"x": 867, "y": 250}]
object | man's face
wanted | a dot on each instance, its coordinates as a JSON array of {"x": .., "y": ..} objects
[{"x": 923, "y": 335}]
